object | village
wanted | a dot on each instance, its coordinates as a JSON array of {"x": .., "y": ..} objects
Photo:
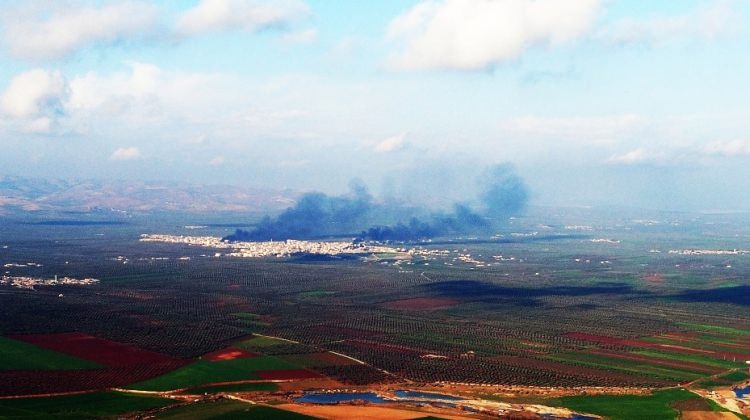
[{"x": 25, "y": 282}]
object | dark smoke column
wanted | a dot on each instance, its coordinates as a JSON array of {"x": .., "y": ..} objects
[{"x": 504, "y": 193}]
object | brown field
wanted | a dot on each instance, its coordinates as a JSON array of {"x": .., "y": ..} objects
[
  {"x": 99, "y": 350},
  {"x": 707, "y": 415},
  {"x": 333, "y": 359},
  {"x": 345, "y": 412},
  {"x": 229, "y": 354}
]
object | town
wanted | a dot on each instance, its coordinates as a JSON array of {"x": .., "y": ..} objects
[{"x": 271, "y": 248}]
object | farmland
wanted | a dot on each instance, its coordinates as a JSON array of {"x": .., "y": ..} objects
[
  {"x": 552, "y": 309},
  {"x": 80, "y": 406},
  {"x": 17, "y": 355}
]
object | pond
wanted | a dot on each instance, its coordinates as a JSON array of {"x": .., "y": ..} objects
[{"x": 340, "y": 397}]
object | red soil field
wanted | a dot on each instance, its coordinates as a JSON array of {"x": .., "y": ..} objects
[
  {"x": 229, "y": 354},
  {"x": 14, "y": 383},
  {"x": 421, "y": 303},
  {"x": 99, "y": 350},
  {"x": 287, "y": 374}
]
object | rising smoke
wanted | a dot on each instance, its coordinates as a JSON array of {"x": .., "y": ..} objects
[{"x": 503, "y": 194}]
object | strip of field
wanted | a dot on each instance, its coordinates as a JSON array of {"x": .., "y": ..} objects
[
  {"x": 367, "y": 412},
  {"x": 17, "y": 355},
  {"x": 246, "y": 387},
  {"x": 228, "y": 409},
  {"x": 98, "y": 404},
  {"x": 658, "y": 406},
  {"x": 666, "y": 361},
  {"x": 605, "y": 362},
  {"x": 702, "y": 360},
  {"x": 205, "y": 372},
  {"x": 714, "y": 329},
  {"x": 715, "y": 350},
  {"x": 106, "y": 352},
  {"x": 228, "y": 354},
  {"x": 287, "y": 374},
  {"x": 260, "y": 342}
]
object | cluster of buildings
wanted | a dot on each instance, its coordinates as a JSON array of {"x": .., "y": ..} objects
[
  {"x": 272, "y": 248},
  {"x": 24, "y": 282},
  {"x": 709, "y": 251},
  {"x": 12, "y": 265}
]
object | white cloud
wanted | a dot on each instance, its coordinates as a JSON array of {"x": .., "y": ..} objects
[
  {"x": 574, "y": 129},
  {"x": 728, "y": 148},
  {"x": 641, "y": 156},
  {"x": 630, "y": 158},
  {"x": 248, "y": 15},
  {"x": 36, "y": 99},
  {"x": 126, "y": 153},
  {"x": 41, "y": 33},
  {"x": 217, "y": 161},
  {"x": 477, "y": 34},
  {"x": 306, "y": 36},
  {"x": 391, "y": 144},
  {"x": 710, "y": 21}
]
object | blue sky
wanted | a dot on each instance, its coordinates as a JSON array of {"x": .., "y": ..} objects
[{"x": 638, "y": 103}]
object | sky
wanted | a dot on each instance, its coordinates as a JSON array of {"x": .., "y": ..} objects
[{"x": 594, "y": 102}]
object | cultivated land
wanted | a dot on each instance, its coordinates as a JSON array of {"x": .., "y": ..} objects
[{"x": 551, "y": 309}]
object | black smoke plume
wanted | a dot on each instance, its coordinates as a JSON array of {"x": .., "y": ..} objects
[
  {"x": 503, "y": 194},
  {"x": 315, "y": 214}
]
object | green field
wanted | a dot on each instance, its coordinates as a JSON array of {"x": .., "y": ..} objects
[
  {"x": 94, "y": 405},
  {"x": 714, "y": 329},
  {"x": 204, "y": 372},
  {"x": 736, "y": 376},
  {"x": 17, "y": 355},
  {"x": 260, "y": 342},
  {"x": 249, "y": 387},
  {"x": 226, "y": 409},
  {"x": 657, "y": 406},
  {"x": 703, "y": 360}
]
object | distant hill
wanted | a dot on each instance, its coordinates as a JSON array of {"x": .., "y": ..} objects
[{"x": 23, "y": 195}]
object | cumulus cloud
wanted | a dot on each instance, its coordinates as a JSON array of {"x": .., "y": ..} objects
[
  {"x": 478, "y": 34},
  {"x": 126, "y": 153},
  {"x": 247, "y": 15},
  {"x": 41, "y": 33},
  {"x": 36, "y": 99},
  {"x": 709, "y": 21},
  {"x": 391, "y": 144}
]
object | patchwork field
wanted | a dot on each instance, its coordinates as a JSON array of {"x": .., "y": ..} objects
[
  {"x": 532, "y": 311},
  {"x": 18, "y": 355}
]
